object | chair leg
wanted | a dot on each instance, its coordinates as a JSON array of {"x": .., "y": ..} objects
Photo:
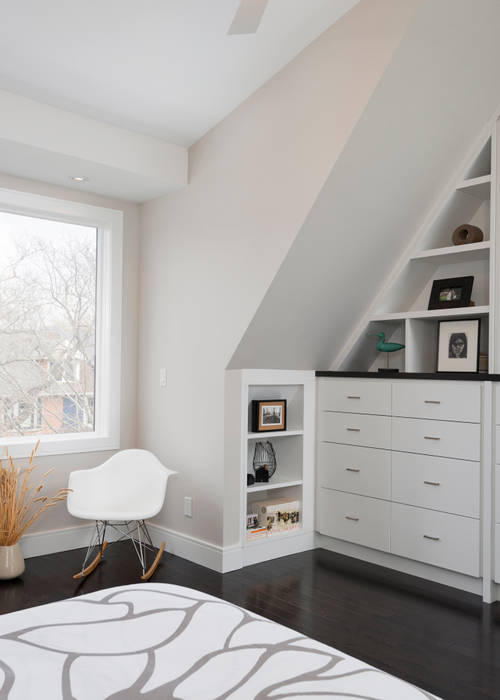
[
  {"x": 96, "y": 541},
  {"x": 147, "y": 575},
  {"x": 146, "y": 544}
]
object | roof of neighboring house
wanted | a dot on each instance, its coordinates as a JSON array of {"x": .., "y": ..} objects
[{"x": 31, "y": 364}]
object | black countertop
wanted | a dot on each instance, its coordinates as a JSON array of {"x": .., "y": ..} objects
[{"x": 455, "y": 376}]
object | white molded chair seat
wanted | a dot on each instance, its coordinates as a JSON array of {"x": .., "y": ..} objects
[{"x": 131, "y": 485}]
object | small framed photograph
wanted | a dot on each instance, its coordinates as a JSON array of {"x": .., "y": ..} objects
[
  {"x": 268, "y": 415},
  {"x": 451, "y": 293},
  {"x": 458, "y": 345}
]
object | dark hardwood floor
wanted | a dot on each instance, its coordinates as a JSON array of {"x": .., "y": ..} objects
[{"x": 443, "y": 640}]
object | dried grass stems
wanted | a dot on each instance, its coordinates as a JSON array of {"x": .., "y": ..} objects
[{"x": 20, "y": 503}]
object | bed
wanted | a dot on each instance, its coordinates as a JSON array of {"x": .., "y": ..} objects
[{"x": 159, "y": 641}]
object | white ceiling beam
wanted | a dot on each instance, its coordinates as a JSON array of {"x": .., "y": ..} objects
[{"x": 117, "y": 162}]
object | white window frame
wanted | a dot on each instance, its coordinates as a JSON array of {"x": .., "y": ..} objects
[{"x": 109, "y": 224}]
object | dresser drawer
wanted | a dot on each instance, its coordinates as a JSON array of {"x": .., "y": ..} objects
[
  {"x": 362, "y": 396},
  {"x": 437, "y": 437},
  {"x": 355, "y": 429},
  {"x": 452, "y": 401},
  {"x": 358, "y": 519},
  {"x": 360, "y": 470},
  {"x": 497, "y": 444},
  {"x": 449, "y": 485},
  {"x": 449, "y": 541}
]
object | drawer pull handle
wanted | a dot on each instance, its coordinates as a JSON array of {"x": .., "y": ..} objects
[
  {"x": 354, "y": 397},
  {"x": 351, "y": 469},
  {"x": 429, "y": 437},
  {"x": 349, "y": 517},
  {"x": 353, "y": 430},
  {"x": 431, "y": 401},
  {"x": 432, "y": 483},
  {"x": 434, "y": 539}
]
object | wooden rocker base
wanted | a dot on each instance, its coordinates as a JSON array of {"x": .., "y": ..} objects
[
  {"x": 154, "y": 565},
  {"x": 88, "y": 570}
]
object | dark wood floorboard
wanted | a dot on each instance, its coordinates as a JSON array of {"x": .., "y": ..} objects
[{"x": 440, "y": 639}]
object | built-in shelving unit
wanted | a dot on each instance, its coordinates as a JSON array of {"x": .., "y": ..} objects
[
  {"x": 294, "y": 450},
  {"x": 401, "y": 310}
]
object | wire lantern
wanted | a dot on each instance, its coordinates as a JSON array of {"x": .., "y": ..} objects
[{"x": 264, "y": 456}]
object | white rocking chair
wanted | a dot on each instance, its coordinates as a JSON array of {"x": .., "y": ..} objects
[{"x": 120, "y": 495}]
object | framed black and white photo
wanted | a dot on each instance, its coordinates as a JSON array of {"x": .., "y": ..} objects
[
  {"x": 451, "y": 293},
  {"x": 458, "y": 345},
  {"x": 268, "y": 415}
]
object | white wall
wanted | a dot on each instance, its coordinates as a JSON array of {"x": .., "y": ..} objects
[
  {"x": 58, "y": 517},
  {"x": 431, "y": 104},
  {"x": 209, "y": 252}
]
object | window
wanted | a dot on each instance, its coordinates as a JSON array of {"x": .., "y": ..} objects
[
  {"x": 60, "y": 308},
  {"x": 48, "y": 275}
]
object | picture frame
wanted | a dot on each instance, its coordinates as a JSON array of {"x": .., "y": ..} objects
[
  {"x": 451, "y": 293},
  {"x": 458, "y": 345},
  {"x": 268, "y": 415}
]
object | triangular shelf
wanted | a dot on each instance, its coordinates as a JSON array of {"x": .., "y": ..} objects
[{"x": 401, "y": 309}]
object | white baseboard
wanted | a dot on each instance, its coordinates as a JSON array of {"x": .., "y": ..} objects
[
  {"x": 37, "y": 543},
  {"x": 225, "y": 559},
  {"x": 191, "y": 548}
]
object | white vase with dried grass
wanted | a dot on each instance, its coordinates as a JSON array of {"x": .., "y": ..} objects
[{"x": 21, "y": 504}]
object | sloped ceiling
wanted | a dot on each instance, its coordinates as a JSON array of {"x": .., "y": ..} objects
[{"x": 438, "y": 92}]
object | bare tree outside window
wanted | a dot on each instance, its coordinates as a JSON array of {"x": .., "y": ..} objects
[{"x": 47, "y": 326}]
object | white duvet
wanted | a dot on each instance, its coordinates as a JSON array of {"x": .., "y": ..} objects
[{"x": 156, "y": 641}]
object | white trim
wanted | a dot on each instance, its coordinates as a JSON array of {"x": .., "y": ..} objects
[
  {"x": 232, "y": 558},
  {"x": 225, "y": 559},
  {"x": 109, "y": 224},
  {"x": 36, "y": 544},
  {"x": 397, "y": 563},
  {"x": 192, "y": 548}
]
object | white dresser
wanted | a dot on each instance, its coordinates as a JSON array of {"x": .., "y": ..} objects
[
  {"x": 496, "y": 479},
  {"x": 399, "y": 468}
]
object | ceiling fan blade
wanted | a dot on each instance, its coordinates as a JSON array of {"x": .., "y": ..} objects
[{"x": 248, "y": 16}]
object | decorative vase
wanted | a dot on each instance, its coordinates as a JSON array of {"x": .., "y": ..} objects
[
  {"x": 11, "y": 561},
  {"x": 467, "y": 233}
]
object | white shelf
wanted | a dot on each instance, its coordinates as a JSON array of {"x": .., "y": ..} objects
[
  {"x": 274, "y": 434},
  {"x": 268, "y": 486},
  {"x": 455, "y": 253},
  {"x": 479, "y": 187},
  {"x": 435, "y": 313}
]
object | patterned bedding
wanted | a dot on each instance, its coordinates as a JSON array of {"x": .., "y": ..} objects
[{"x": 158, "y": 641}]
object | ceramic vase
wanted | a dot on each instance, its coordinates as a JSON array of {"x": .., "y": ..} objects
[{"x": 11, "y": 561}]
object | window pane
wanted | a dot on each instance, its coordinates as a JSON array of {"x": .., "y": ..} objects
[{"x": 47, "y": 326}]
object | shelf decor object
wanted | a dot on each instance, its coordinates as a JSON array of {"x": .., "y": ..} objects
[
  {"x": 451, "y": 293},
  {"x": 458, "y": 345},
  {"x": 264, "y": 461},
  {"x": 383, "y": 346},
  {"x": 467, "y": 233},
  {"x": 268, "y": 415}
]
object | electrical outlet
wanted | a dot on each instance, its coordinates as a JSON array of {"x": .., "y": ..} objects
[
  {"x": 163, "y": 376},
  {"x": 188, "y": 506}
]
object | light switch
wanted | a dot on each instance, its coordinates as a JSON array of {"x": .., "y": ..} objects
[{"x": 163, "y": 376}]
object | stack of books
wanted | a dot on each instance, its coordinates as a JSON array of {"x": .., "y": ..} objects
[{"x": 273, "y": 517}]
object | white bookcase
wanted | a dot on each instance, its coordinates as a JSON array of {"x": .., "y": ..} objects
[
  {"x": 401, "y": 308},
  {"x": 294, "y": 449}
]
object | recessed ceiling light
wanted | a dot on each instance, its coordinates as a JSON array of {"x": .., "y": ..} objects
[{"x": 78, "y": 178}]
